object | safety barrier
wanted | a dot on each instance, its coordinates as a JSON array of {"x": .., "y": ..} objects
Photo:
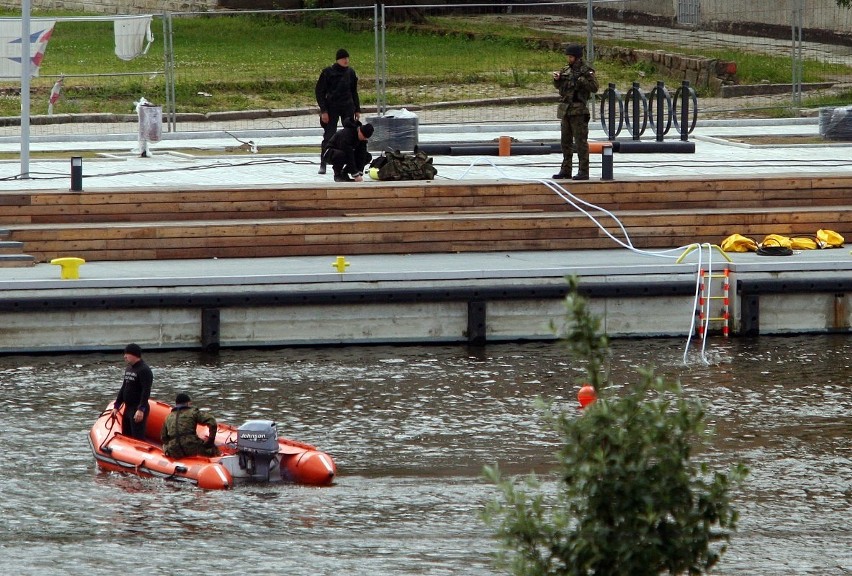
[
  {"x": 636, "y": 111},
  {"x": 659, "y": 110}
]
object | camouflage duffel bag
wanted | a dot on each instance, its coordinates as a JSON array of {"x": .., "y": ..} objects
[{"x": 399, "y": 166}]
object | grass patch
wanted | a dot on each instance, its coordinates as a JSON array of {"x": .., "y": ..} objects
[
  {"x": 776, "y": 140},
  {"x": 241, "y": 62}
]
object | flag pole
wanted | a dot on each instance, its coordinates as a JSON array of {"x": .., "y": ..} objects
[{"x": 25, "y": 89}]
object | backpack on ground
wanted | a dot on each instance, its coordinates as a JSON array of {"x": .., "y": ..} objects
[{"x": 394, "y": 165}]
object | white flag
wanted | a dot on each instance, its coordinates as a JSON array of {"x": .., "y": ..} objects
[{"x": 11, "y": 44}]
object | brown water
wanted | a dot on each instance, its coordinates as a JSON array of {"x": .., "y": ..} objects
[{"x": 410, "y": 428}]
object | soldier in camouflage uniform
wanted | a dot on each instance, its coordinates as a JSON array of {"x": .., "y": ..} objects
[
  {"x": 178, "y": 434},
  {"x": 576, "y": 83}
]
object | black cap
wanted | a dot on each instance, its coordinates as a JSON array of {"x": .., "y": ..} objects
[
  {"x": 574, "y": 50},
  {"x": 133, "y": 349},
  {"x": 182, "y": 398},
  {"x": 342, "y": 53},
  {"x": 367, "y": 130}
]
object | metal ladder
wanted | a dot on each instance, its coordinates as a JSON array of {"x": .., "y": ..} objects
[{"x": 714, "y": 299}]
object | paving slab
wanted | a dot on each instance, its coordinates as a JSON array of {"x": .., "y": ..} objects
[{"x": 213, "y": 158}]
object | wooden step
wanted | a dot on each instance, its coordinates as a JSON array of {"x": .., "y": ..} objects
[
  {"x": 418, "y": 233},
  {"x": 135, "y": 205},
  {"x": 11, "y": 252},
  {"x": 16, "y": 261},
  {"x": 417, "y": 217}
]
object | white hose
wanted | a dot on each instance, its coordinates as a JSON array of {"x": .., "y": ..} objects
[{"x": 674, "y": 253}]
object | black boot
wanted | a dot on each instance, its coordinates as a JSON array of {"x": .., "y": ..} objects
[
  {"x": 562, "y": 176},
  {"x": 322, "y": 168},
  {"x": 581, "y": 176}
]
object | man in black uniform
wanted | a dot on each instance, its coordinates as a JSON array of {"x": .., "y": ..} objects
[
  {"x": 347, "y": 151},
  {"x": 337, "y": 98},
  {"x": 134, "y": 393}
]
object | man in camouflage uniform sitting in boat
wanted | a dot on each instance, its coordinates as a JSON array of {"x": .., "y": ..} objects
[{"x": 179, "y": 430}]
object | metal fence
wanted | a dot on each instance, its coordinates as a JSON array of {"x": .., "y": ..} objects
[{"x": 485, "y": 63}]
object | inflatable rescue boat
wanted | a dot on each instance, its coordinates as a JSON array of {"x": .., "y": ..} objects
[{"x": 252, "y": 452}]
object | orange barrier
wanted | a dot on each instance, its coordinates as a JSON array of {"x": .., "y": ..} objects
[
  {"x": 505, "y": 146},
  {"x": 598, "y": 147}
]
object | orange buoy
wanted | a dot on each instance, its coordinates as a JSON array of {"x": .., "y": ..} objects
[{"x": 586, "y": 395}]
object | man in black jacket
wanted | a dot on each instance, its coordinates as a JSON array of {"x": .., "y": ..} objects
[
  {"x": 337, "y": 98},
  {"x": 347, "y": 151},
  {"x": 134, "y": 393}
]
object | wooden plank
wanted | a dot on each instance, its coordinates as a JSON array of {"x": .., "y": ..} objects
[
  {"x": 420, "y": 217},
  {"x": 14, "y": 199}
]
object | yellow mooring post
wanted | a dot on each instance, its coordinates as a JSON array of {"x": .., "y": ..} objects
[
  {"x": 340, "y": 263},
  {"x": 70, "y": 267}
]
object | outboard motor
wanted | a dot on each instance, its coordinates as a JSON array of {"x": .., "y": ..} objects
[{"x": 257, "y": 445}]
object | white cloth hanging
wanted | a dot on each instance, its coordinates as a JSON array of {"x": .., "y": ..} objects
[{"x": 133, "y": 36}]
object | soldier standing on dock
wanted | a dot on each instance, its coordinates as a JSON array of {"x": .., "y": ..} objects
[{"x": 576, "y": 83}]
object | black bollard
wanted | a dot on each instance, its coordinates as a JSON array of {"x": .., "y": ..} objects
[
  {"x": 76, "y": 174},
  {"x": 606, "y": 163}
]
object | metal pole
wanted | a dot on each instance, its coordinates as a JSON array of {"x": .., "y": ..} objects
[
  {"x": 590, "y": 44},
  {"x": 611, "y": 112},
  {"x": 635, "y": 100},
  {"x": 169, "y": 68},
  {"x": 25, "y": 88},
  {"x": 684, "y": 111},
  {"x": 382, "y": 23},
  {"x": 378, "y": 45},
  {"x": 798, "y": 23}
]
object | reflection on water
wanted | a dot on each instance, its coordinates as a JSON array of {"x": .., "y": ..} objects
[{"x": 410, "y": 428}]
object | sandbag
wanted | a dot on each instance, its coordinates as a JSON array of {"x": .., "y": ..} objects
[
  {"x": 829, "y": 239},
  {"x": 738, "y": 243},
  {"x": 777, "y": 240},
  {"x": 803, "y": 243}
]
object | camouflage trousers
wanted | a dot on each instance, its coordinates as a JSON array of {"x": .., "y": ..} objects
[{"x": 575, "y": 132}]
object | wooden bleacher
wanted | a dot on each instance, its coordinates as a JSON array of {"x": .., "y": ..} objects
[{"x": 416, "y": 217}]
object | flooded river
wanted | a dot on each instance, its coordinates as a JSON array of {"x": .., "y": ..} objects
[{"x": 410, "y": 428}]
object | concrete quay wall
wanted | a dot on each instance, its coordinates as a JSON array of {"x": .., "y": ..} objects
[{"x": 312, "y": 311}]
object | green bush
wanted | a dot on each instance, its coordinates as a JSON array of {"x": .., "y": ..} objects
[{"x": 629, "y": 498}]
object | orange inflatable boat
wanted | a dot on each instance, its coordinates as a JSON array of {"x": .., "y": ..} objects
[{"x": 252, "y": 453}]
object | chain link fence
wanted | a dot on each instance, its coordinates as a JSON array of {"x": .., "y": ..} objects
[{"x": 482, "y": 63}]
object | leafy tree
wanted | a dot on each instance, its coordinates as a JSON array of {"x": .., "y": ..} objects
[
  {"x": 844, "y": 3},
  {"x": 629, "y": 499}
]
